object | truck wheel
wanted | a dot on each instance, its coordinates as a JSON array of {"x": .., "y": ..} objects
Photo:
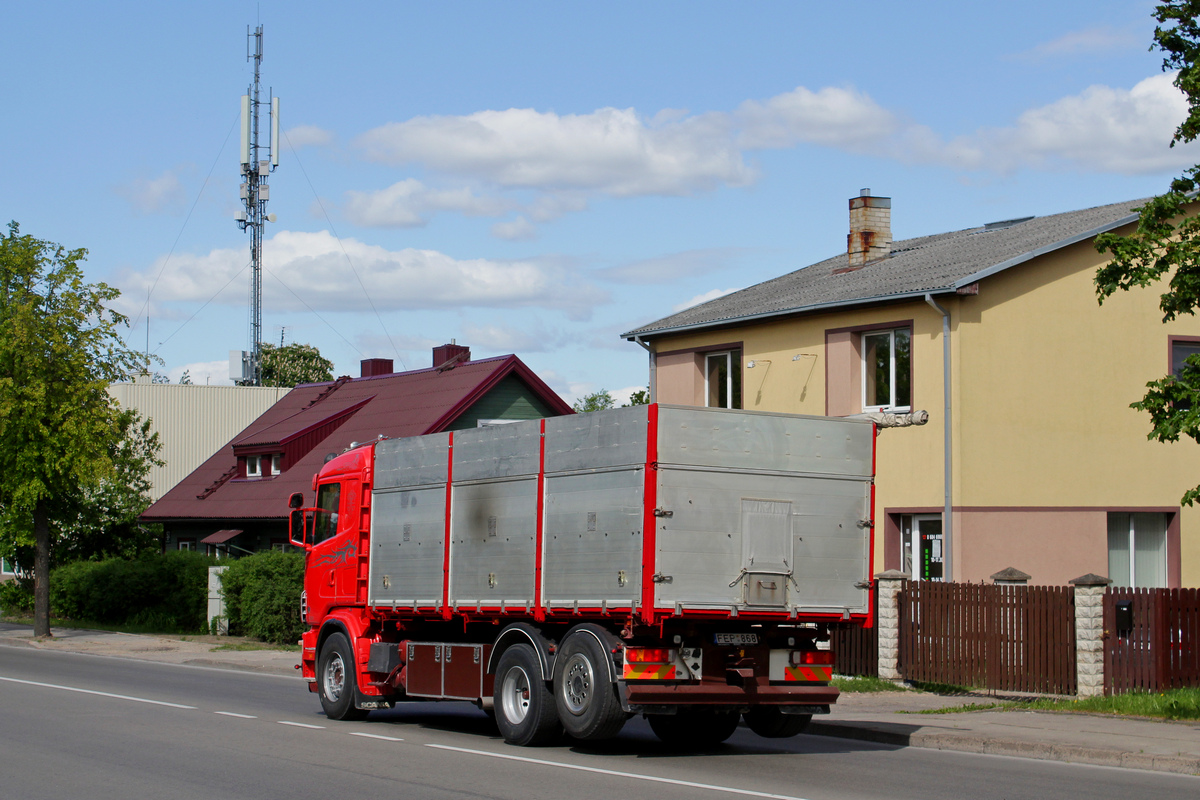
[
  {"x": 771, "y": 723},
  {"x": 694, "y": 728},
  {"x": 524, "y": 708},
  {"x": 335, "y": 679},
  {"x": 585, "y": 698}
]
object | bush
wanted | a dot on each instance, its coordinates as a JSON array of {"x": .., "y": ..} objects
[
  {"x": 16, "y": 596},
  {"x": 165, "y": 592},
  {"x": 262, "y": 596}
]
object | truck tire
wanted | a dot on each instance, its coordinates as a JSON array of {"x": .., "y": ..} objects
[
  {"x": 585, "y": 698},
  {"x": 771, "y": 723},
  {"x": 335, "y": 679},
  {"x": 695, "y": 728},
  {"x": 524, "y": 706}
]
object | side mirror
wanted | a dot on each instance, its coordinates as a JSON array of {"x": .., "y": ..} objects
[
  {"x": 296, "y": 527},
  {"x": 296, "y": 500}
]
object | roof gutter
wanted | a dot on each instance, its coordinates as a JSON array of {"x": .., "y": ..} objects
[
  {"x": 653, "y": 384},
  {"x": 947, "y": 442}
]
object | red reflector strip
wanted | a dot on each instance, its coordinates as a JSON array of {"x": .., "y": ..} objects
[
  {"x": 821, "y": 674},
  {"x": 816, "y": 657},
  {"x": 648, "y": 655},
  {"x": 649, "y": 672}
]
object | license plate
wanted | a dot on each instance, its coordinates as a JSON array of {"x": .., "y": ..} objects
[{"x": 735, "y": 638}]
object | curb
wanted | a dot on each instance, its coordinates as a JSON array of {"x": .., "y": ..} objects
[{"x": 971, "y": 743}]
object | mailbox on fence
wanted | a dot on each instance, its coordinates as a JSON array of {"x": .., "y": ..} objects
[{"x": 1123, "y": 614}]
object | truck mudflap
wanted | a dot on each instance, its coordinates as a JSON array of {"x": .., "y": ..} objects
[{"x": 659, "y": 698}]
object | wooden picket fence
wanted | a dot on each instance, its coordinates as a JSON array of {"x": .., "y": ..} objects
[
  {"x": 1003, "y": 638},
  {"x": 856, "y": 648},
  {"x": 1155, "y": 644}
]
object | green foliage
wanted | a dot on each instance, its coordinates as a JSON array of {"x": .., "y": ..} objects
[
  {"x": 639, "y": 398},
  {"x": 186, "y": 378},
  {"x": 596, "y": 401},
  {"x": 866, "y": 684},
  {"x": 294, "y": 364},
  {"x": 165, "y": 592},
  {"x": 59, "y": 349},
  {"x": 1166, "y": 242},
  {"x": 16, "y": 596},
  {"x": 262, "y": 596}
]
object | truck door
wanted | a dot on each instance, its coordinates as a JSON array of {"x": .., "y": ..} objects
[{"x": 330, "y": 545}]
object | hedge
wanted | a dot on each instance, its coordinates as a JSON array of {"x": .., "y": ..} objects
[
  {"x": 165, "y": 592},
  {"x": 262, "y": 596}
]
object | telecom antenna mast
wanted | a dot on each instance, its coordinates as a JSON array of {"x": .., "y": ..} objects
[{"x": 255, "y": 193}]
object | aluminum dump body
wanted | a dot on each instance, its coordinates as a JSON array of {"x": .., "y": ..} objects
[{"x": 659, "y": 509}]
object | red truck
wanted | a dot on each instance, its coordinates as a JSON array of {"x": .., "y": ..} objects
[{"x": 565, "y": 574}]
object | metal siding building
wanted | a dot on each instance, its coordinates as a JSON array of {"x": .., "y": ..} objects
[{"x": 192, "y": 422}]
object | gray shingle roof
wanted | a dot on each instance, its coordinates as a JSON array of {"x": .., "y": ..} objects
[{"x": 934, "y": 264}]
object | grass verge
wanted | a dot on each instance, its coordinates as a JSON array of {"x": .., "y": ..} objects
[
  {"x": 865, "y": 683},
  {"x": 1177, "y": 704}
]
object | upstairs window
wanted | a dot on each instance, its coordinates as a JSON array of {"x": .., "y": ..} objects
[
  {"x": 887, "y": 370},
  {"x": 723, "y": 379},
  {"x": 276, "y": 463},
  {"x": 253, "y": 466},
  {"x": 1180, "y": 350}
]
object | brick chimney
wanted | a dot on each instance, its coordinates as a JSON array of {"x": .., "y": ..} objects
[
  {"x": 376, "y": 366},
  {"x": 870, "y": 236},
  {"x": 452, "y": 352}
]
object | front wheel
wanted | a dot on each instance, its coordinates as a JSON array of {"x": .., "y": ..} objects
[
  {"x": 524, "y": 707},
  {"x": 335, "y": 679},
  {"x": 693, "y": 728},
  {"x": 771, "y": 723}
]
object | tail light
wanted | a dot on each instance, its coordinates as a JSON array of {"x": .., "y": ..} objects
[
  {"x": 648, "y": 655},
  {"x": 810, "y": 657}
]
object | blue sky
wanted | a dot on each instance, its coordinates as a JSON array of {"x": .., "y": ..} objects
[{"x": 536, "y": 178}]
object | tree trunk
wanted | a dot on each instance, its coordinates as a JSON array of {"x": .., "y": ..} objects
[{"x": 41, "y": 571}]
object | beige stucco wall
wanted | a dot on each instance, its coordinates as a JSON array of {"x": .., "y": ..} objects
[{"x": 1042, "y": 379}]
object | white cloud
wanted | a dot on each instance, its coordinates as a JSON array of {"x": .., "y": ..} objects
[
  {"x": 308, "y": 136},
  {"x": 672, "y": 267},
  {"x": 519, "y": 229},
  {"x": 154, "y": 195},
  {"x": 704, "y": 298},
  {"x": 1097, "y": 39},
  {"x": 409, "y": 203},
  {"x": 314, "y": 267},
  {"x": 844, "y": 118},
  {"x": 1102, "y": 129},
  {"x": 507, "y": 339},
  {"x": 613, "y": 151},
  {"x": 214, "y": 373}
]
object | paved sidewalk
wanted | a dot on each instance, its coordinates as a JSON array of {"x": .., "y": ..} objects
[{"x": 886, "y": 717}]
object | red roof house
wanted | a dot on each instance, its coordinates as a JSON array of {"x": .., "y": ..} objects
[{"x": 238, "y": 498}]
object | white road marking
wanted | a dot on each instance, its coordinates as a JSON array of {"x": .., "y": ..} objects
[
  {"x": 376, "y": 736},
  {"x": 301, "y": 725},
  {"x": 99, "y": 694},
  {"x": 636, "y": 777},
  {"x": 231, "y": 714}
]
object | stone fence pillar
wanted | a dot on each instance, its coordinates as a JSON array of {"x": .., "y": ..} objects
[
  {"x": 1089, "y": 634},
  {"x": 888, "y": 586}
]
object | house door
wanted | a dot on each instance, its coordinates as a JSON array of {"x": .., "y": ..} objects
[{"x": 921, "y": 546}]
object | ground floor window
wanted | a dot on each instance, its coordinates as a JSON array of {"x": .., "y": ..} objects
[
  {"x": 1137, "y": 549},
  {"x": 187, "y": 544}
]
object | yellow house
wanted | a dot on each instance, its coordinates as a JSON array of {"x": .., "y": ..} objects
[{"x": 1031, "y": 457}]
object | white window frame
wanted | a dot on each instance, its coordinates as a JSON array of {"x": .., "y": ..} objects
[
  {"x": 1163, "y": 566},
  {"x": 276, "y": 462},
  {"x": 186, "y": 544},
  {"x": 253, "y": 466},
  {"x": 729, "y": 366},
  {"x": 891, "y": 334}
]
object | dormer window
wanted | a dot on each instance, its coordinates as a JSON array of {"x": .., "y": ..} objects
[
  {"x": 277, "y": 463},
  {"x": 253, "y": 466}
]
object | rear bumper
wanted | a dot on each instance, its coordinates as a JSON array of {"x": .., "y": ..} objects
[{"x": 637, "y": 695}]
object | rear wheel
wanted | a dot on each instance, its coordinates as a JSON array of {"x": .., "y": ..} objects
[
  {"x": 771, "y": 723},
  {"x": 694, "y": 728},
  {"x": 524, "y": 707},
  {"x": 335, "y": 679},
  {"x": 584, "y": 696}
]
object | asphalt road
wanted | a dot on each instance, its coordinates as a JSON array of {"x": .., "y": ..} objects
[{"x": 98, "y": 727}]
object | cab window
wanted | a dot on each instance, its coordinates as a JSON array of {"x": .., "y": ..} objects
[{"x": 328, "y": 496}]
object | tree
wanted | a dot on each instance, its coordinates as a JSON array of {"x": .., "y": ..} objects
[
  {"x": 59, "y": 350},
  {"x": 1167, "y": 240},
  {"x": 639, "y": 398},
  {"x": 186, "y": 378},
  {"x": 294, "y": 364},
  {"x": 596, "y": 401}
]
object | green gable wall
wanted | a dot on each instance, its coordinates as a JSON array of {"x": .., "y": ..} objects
[{"x": 510, "y": 399}]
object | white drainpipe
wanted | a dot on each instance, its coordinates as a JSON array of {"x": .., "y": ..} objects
[{"x": 947, "y": 439}]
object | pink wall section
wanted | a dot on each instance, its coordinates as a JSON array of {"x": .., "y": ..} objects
[
  {"x": 1052, "y": 545},
  {"x": 679, "y": 379}
]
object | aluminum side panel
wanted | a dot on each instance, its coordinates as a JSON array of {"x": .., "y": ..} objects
[
  {"x": 497, "y": 451},
  {"x": 593, "y": 539},
  {"x": 596, "y": 440},
  {"x": 702, "y": 550},
  {"x": 415, "y": 461},
  {"x": 493, "y": 536},
  {"x": 407, "y": 544},
  {"x": 765, "y": 442}
]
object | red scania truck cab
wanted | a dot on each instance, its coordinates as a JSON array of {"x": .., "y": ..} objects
[{"x": 568, "y": 573}]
